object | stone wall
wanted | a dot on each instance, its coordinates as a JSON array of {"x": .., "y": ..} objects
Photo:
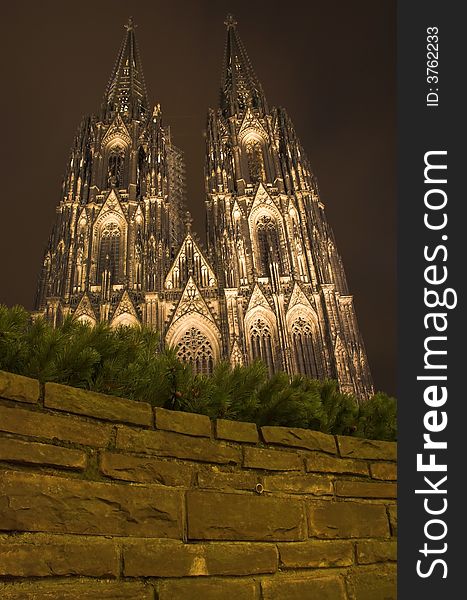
[{"x": 106, "y": 498}]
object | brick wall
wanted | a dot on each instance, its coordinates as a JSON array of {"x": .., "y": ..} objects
[{"x": 106, "y": 498}]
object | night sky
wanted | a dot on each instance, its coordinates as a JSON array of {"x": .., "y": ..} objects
[{"x": 330, "y": 63}]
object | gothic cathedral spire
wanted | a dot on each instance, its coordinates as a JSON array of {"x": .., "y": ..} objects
[
  {"x": 270, "y": 285},
  {"x": 126, "y": 91}
]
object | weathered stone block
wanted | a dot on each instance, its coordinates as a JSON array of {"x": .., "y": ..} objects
[
  {"x": 183, "y": 422},
  {"x": 272, "y": 460},
  {"x": 46, "y": 426},
  {"x": 300, "y": 438},
  {"x": 382, "y": 470},
  {"x": 315, "y": 554},
  {"x": 354, "y": 447},
  {"x": 145, "y": 469},
  {"x": 392, "y": 510},
  {"x": 323, "y": 463},
  {"x": 236, "y": 431},
  {"x": 169, "y": 558},
  {"x": 166, "y": 443},
  {"x": 218, "y": 516},
  {"x": 370, "y": 583},
  {"x": 44, "y": 555},
  {"x": 209, "y": 589},
  {"x": 366, "y": 489},
  {"x": 347, "y": 520},
  {"x": 18, "y": 451},
  {"x": 71, "y": 590},
  {"x": 324, "y": 588},
  {"x": 376, "y": 551},
  {"x": 220, "y": 480},
  {"x": 101, "y": 406},
  {"x": 299, "y": 484},
  {"x": 19, "y": 388},
  {"x": 34, "y": 502}
]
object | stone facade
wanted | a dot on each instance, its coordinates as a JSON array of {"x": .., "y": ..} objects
[
  {"x": 149, "y": 503},
  {"x": 269, "y": 285}
]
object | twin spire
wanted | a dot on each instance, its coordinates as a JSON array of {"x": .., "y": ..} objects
[{"x": 126, "y": 91}]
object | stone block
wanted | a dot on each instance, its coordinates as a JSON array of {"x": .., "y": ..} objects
[
  {"x": 366, "y": 489},
  {"x": 219, "y": 516},
  {"x": 354, "y": 447},
  {"x": 46, "y": 555},
  {"x": 18, "y": 451},
  {"x": 210, "y": 478},
  {"x": 317, "y": 462},
  {"x": 236, "y": 431},
  {"x": 36, "y": 502},
  {"x": 71, "y": 590},
  {"x": 299, "y": 484},
  {"x": 373, "y": 583},
  {"x": 294, "y": 588},
  {"x": 167, "y": 443},
  {"x": 19, "y": 388},
  {"x": 183, "y": 422},
  {"x": 170, "y": 558},
  {"x": 100, "y": 406},
  {"x": 392, "y": 510},
  {"x": 272, "y": 460},
  {"x": 315, "y": 554},
  {"x": 145, "y": 469},
  {"x": 46, "y": 426},
  {"x": 375, "y": 551},
  {"x": 383, "y": 470},
  {"x": 299, "y": 438},
  {"x": 347, "y": 520},
  {"x": 209, "y": 589}
]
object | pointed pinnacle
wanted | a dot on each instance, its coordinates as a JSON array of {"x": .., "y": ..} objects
[
  {"x": 130, "y": 26},
  {"x": 230, "y": 21}
]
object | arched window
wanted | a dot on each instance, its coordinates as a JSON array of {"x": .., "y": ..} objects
[
  {"x": 195, "y": 348},
  {"x": 109, "y": 251},
  {"x": 115, "y": 167},
  {"x": 255, "y": 157},
  {"x": 302, "y": 340},
  {"x": 261, "y": 343},
  {"x": 268, "y": 245}
]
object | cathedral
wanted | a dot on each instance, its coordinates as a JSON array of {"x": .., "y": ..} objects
[{"x": 268, "y": 284}]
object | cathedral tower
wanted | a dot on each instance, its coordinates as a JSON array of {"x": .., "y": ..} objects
[
  {"x": 286, "y": 295},
  {"x": 270, "y": 285}
]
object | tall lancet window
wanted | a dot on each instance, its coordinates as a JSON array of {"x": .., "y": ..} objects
[
  {"x": 302, "y": 340},
  {"x": 115, "y": 167},
  {"x": 261, "y": 344},
  {"x": 195, "y": 348},
  {"x": 109, "y": 251},
  {"x": 254, "y": 152},
  {"x": 268, "y": 245}
]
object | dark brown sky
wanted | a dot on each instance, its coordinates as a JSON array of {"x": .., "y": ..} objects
[{"x": 330, "y": 63}]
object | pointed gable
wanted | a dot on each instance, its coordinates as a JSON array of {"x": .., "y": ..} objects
[
  {"x": 125, "y": 312},
  {"x": 111, "y": 205},
  {"x": 190, "y": 262},
  {"x": 84, "y": 311},
  {"x": 258, "y": 299},
  {"x": 251, "y": 124},
  {"x": 117, "y": 131},
  {"x": 192, "y": 302},
  {"x": 298, "y": 297}
]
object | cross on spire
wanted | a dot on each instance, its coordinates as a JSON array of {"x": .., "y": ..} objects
[{"x": 230, "y": 21}]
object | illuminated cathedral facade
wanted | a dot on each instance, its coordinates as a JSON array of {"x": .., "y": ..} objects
[{"x": 269, "y": 284}]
